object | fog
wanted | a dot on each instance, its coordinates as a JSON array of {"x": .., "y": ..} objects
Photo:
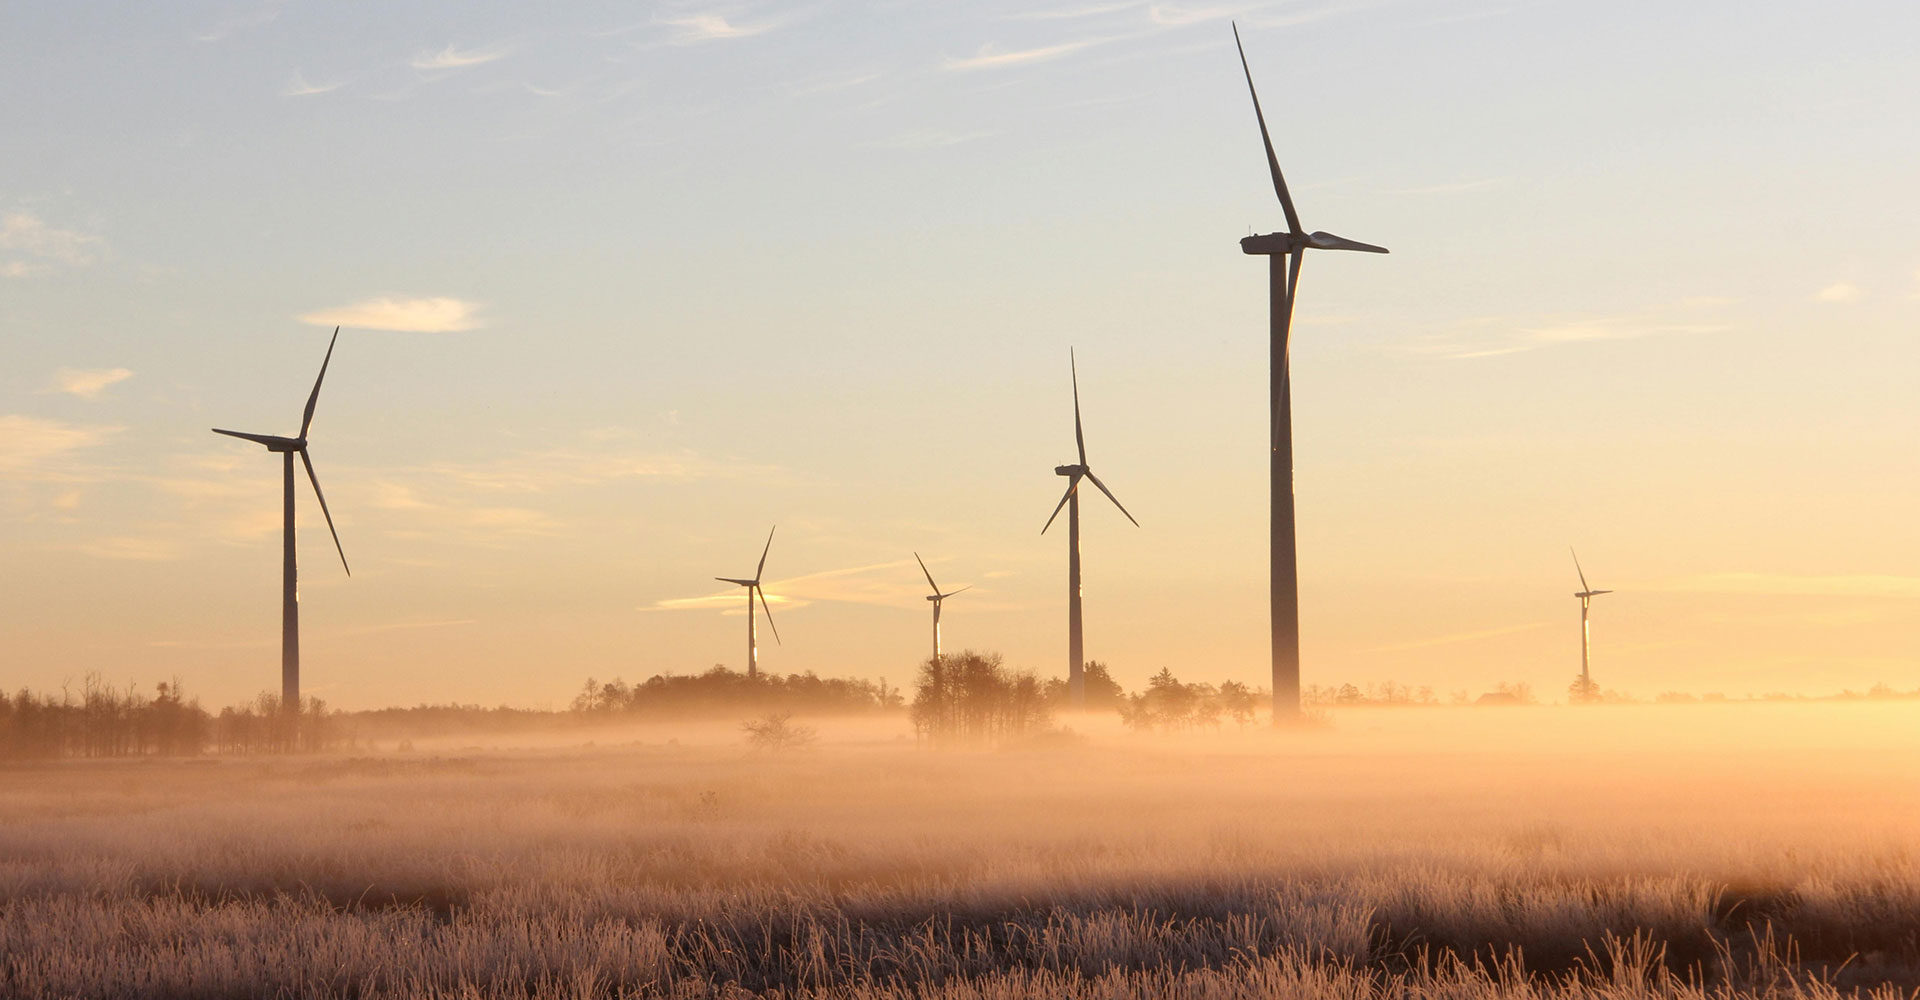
[{"x": 1408, "y": 851}]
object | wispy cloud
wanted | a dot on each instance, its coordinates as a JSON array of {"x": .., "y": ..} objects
[
  {"x": 690, "y": 29},
  {"x": 1071, "y": 13},
  {"x": 926, "y": 138},
  {"x": 131, "y": 549},
  {"x": 298, "y": 86},
  {"x": 454, "y": 57},
  {"x": 1447, "y": 640},
  {"x": 1495, "y": 336},
  {"x": 437, "y": 315},
  {"x": 545, "y": 471},
  {"x": 34, "y": 448},
  {"x": 29, "y": 246},
  {"x": 228, "y": 27},
  {"x": 1839, "y": 291},
  {"x": 87, "y": 382},
  {"x": 891, "y": 584},
  {"x": 1458, "y": 187},
  {"x": 991, "y": 57},
  {"x": 1180, "y": 15},
  {"x": 1785, "y": 584}
]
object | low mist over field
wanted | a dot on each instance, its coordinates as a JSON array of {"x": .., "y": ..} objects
[{"x": 1749, "y": 849}]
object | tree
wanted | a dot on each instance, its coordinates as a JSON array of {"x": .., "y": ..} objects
[
  {"x": 776, "y": 732},
  {"x": 974, "y": 698}
]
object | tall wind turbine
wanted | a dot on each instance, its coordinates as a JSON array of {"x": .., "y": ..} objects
[
  {"x": 936, "y": 597},
  {"x": 753, "y": 587},
  {"x": 1076, "y": 666},
  {"x": 1586, "y": 596},
  {"x": 1284, "y": 251},
  {"x": 289, "y": 573}
]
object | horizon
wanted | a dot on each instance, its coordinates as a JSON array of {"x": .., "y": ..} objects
[{"x": 621, "y": 290}]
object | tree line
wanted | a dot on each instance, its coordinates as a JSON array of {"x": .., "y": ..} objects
[{"x": 105, "y": 721}]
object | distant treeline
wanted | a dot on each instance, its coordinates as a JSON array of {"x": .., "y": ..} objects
[
  {"x": 104, "y": 721},
  {"x": 724, "y": 693}
]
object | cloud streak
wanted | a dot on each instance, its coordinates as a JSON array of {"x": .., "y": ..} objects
[
  {"x": 435, "y": 315},
  {"x": 33, "y": 448},
  {"x": 29, "y": 246},
  {"x": 990, "y": 56},
  {"x": 692, "y": 29},
  {"x": 1496, "y": 336},
  {"x": 454, "y": 57},
  {"x": 1839, "y": 291},
  {"x": 895, "y": 584},
  {"x": 1447, "y": 640},
  {"x": 298, "y": 86},
  {"x": 87, "y": 383},
  {"x": 1790, "y": 585}
]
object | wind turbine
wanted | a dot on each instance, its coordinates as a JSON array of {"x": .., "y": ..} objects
[
  {"x": 289, "y": 573},
  {"x": 1076, "y": 668},
  {"x": 1586, "y": 596},
  {"x": 936, "y": 597},
  {"x": 1283, "y": 251},
  {"x": 753, "y": 587}
]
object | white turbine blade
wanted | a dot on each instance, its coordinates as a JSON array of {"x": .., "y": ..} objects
[
  {"x": 1273, "y": 162},
  {"x": 1577, "y": 569},
  {"x": 758, "y": 570},
  {"x": 1079, "y": 439},
  {"x": 1072, "y": 484},
  {"x": 1328, "y": 241},
  {"x": 768, "y": 610},
  {"x": 923, "y": 569},
  {"x": 322, "y": 497},
  {"x": 306, "y": 418},
  {"x": 1110, "y": 496}
]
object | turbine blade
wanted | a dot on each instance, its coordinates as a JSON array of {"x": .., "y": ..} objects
[
  {"x": 769, "y": 611},
  {"x": 1273, "y": 163},
  {"x": 267, "y": 439},
  {"x": 1110, "y": 496},
  {"x": 1577, "y": 569},
  {"x": 950, "y": 593},
  {"x": 923, "y": 569},
  {"x": 1079, "y": 439},
  {"x": 1072, "y": 484},
  {"x": 1597, "y": 593},
  {"x": 1328, "y": 241},
  {"x": 322, "y": 497},
  {"x": 306, "y": 419},
  {"x": 763, "y": 554},
  {"x": 1293, "y": 284},
  {"x": 740, "y": 583}
]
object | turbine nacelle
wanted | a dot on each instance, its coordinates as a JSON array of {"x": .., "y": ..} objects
[
  {"x": 1281, "y": 244},
  {"x": 1069, "y": 470}
]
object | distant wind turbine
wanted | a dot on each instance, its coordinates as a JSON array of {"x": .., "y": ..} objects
[
  {"x": 936, "y": 597},
  {"x": 289, "y": 573},
  {"x": 1076, "y": 667},
  {"x": 1586, "y": 596},
  {"x": 753, "y": 587},
  {"x": 1284, "y": 251}
]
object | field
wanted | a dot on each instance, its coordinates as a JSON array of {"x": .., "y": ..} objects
[{"x": 1667, "y": 851}]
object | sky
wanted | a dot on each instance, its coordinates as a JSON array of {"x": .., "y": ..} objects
[{"x": 624, "y": 285}]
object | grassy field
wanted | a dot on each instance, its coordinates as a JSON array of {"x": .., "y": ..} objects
[{"x": 1741, "y": 850}]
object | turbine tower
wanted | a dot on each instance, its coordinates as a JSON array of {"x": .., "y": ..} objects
[
  {"x": 289, "y": 573},
  {"x": 1586, "y": 596},
  {"x": 1076, "y": 666},
  {"x": 753, "y": 587},
  {"x": 1283, "y": 251},
  {"x": 936, "y": 597}
]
